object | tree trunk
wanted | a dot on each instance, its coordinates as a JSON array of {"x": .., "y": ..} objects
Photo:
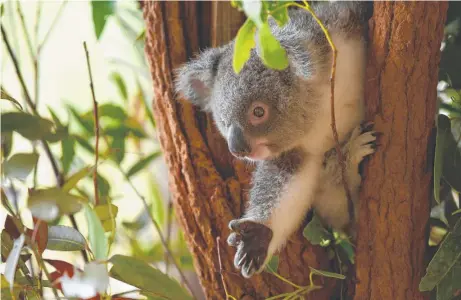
[
  {"x": 401, "y": 98},
  {"x": 209, "y": 187}
]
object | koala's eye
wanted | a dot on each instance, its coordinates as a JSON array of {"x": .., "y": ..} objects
[{"x": 258, "y": 113}]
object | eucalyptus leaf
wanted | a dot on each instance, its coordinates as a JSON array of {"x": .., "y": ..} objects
[
  {"x": 7, "y": 143},
  {"x": 68, "y": 153},
  {"x": 101, "y": 11},
  {"x": 87, "y": 123},
  {"x": 118, "y": 148},
  {"x": 20, "y": 165},
  {"x": 48, "y": 204},
  {"x": 117, "y": 78},
  {"x": 446, "y": 257},
  {"x": 281, "y": 15},
  {"x": 273, "y": 54},
  {"x": 12, "y": 260},
  {"x": 65, "y": 238},
  {"x": 327, "y": 274},
  {"x": 315, "y": 233},
  {"x": 244, "y": 42},
  {"x": 450, "y": 284},
  {"x": 142, "y": 163},
  {"x": 98, "y": 240},
  {"x": 72, "y": 181},
  {"x": 139, "y": 274},
  {"x": 6, "y": 96},
  {"x": 84, "y": 143},
  {"x": 29, "y": 126},
  {"x": 273, "y": 263},
  {"x": 443, "y": 135}
]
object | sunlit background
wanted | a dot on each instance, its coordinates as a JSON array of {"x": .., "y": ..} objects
[{"x": 57, "y": 29}]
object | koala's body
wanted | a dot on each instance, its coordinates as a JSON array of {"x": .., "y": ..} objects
[{"x": 281, "y": 121}]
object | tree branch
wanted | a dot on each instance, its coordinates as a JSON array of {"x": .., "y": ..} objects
[{"x": 96, "y": 128}]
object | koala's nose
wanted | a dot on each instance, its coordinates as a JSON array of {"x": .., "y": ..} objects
[{"x": 237, "y": 143}]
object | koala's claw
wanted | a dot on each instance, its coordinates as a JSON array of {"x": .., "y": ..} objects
[{"x": 252, "y": 242}]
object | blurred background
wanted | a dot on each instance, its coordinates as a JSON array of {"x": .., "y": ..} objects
[{"x": 47, "y": 39}]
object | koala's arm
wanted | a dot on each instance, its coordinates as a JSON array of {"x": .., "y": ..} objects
[{"x": 279, "y": 200}]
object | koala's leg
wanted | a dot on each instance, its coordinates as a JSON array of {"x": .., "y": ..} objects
[
  {"x": 331, "y": 205},
  {"x": 279, "y": 200}
]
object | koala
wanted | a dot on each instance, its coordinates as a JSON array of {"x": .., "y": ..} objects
[{"x": 280, "y": 121}]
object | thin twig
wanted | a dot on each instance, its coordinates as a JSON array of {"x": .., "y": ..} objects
[
  {"x": 53, "y": 25},
  {"x": 96, "y": 127},
  {"x": 30, "y": 103},
  {"x": 24, "y": 28},
  {"x": 218, "y": 240},
  {"x": 36, "y": 58},
  {"x": 168, "y": 233},
  {"x": 158, "y": 230}
]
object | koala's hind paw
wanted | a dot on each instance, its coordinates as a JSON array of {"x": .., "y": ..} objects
[
  {"x": 252, "y": 242},
  {"x": 362, "y": 143}
]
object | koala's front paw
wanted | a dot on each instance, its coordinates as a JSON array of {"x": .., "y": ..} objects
[{"x": 252, "y": 242}]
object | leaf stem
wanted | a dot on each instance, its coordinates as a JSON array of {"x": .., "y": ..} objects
[{"x": 96, "y": 127}]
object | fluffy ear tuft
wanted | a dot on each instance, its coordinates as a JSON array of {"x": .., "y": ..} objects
[{"x": 195, "y": 79}]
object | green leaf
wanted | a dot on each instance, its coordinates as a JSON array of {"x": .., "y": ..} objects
[
  {"x": 6, "y": 96},
  {"x": 12, "y": 260},
  {"x": 117, "y": 78},
  {"x": 443, "y": 134},
  {"x": 20, "y": 165},
  {"x": 68, "y": 153},
  {"x": 98, "y": 240},
  {"x": 315, "y": 233},
  {"x": 84, "y": 143},
  {"x": 65, "y": 238},
  {"x": 118, "y": 148},
  {"x": 139, "y": 274},
  {"x": 109, "y": 110},
  {"x": 142, "y": 163},
  {"x": 48, "y": 204},
  {"x": 452, "y": 164},
  {"x": 348, "y": 249},
  {"x": 158, "y": 204},
  {"x": 85, "y": 121},
  {"x": 446, "y": 257},
  {"x": 327, "y": 274},
  {"x": 7, "y": 143},
  {"x": 281, "y": 16},
  {"x": 273, "y": 263},
  {"x": 244, "y": 42},
  {"x": 72, "y": 181},
  {"x": 55, "y": 118},
  {"x": 103, "y": 213},
  {"x": 101, "y": 11},
  {"x": 272, "y": 53},
  {"x": 103, "y": 185},
  {"x": 29, "y": 126},
  {"x": 450, "y": 284}
]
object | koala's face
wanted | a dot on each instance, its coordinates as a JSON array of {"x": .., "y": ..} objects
[{"x": 260, "y": 112}]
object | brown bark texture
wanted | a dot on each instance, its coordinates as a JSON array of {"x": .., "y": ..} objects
[
  {"x": 209, "y": 188},
  {"x": 401, "y": 99}
]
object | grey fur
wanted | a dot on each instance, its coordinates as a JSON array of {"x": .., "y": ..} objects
[{"x": 293, "y": 97}]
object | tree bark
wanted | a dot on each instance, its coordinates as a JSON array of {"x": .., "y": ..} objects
[
  {"x": 401, "y": 98},
  {"x": 209, "y": 188}
]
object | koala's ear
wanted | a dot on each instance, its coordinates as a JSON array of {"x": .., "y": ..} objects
[{"x": 195, "y": 79}]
